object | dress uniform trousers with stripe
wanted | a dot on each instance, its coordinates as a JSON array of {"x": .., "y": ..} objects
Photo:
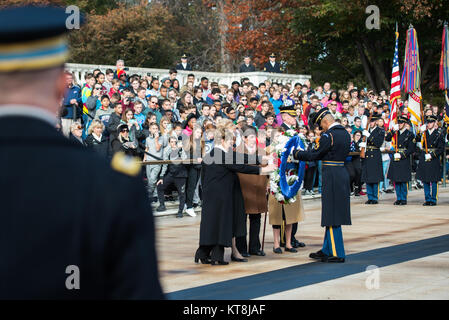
[{"x": 333, "y": 149}]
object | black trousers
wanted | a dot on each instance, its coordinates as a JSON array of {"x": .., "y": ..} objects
[
  {"x": 192, "y": 180},
  {"x": 180, "y": 186},
  {"x": 308, "y": 178},
  {"x": 357, "y": 165},
  {"x": 352, "y": 174},
  {"x": 254, "y": 231}
]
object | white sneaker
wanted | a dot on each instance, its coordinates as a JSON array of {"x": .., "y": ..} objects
[{"x": 191, "y": 212}]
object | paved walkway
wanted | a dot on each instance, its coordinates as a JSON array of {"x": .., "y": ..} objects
[{"x": 408, "y": 247}]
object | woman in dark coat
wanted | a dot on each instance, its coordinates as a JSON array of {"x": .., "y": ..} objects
[
  {"x": 97, "y": 140},
  {"x": 122, "y": 143},
  {"x": 219, "y": 177}
]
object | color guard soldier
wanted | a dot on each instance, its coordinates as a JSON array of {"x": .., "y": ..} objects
[
  {"x": 336, "y": 211},
  {"x": 372, "y": 172},
  {"x": 72, "y": 225},
  {"x": 272, "y": 65},
  {"x": 400, "y": 170},
  {"x": 429, "y": 169}
]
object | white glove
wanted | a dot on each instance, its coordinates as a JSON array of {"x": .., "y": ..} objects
[
  {"x": 397, "y": 156},
  {"x": 396, "y": 127},
  {"x": 428, "y": 157},
  {"x": 423, "y": 128},
  {"x": 362, "y": 145},
  {"x": 382, "y": 149},
  {"x": 366, "y": 133}
]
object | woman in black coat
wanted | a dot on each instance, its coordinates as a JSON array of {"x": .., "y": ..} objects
[
  {"x": 122, "y": 143},
  {"x": 220, "y": 195},
  {"x": 97, "y": 140}
]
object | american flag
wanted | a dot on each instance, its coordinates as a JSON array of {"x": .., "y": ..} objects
[{"x": 395, "y": 92}]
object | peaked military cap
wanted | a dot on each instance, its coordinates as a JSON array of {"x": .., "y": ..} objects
[
  {"x": 33, "y": 37},
  {"x": 431, "y": 118},
  {"x": 319, "y": 115}
]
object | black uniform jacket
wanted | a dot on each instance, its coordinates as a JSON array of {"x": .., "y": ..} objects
[
  {"x": 223, "y": 213},
  {"x": 430, "y": 171},
  {"x": 401, "y": 170},
  {"x": 64, "y": 211},
  {"x": 188, "y": 67},
  {"x": 269, "y": 68},
  {"x": 372, "y": 171},
  {"x": 333, "y": 148}
]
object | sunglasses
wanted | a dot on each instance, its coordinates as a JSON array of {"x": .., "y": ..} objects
[{"x": 124, "y": 130}]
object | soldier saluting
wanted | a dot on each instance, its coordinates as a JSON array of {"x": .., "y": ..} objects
[
  {"x": 400, "y": 171},
  {"x": 336, "y": 211},
  {"x": 429, "y": 169}
]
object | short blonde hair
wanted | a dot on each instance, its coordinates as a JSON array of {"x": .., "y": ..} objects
[
  {"x": 75, "y": 125},
  {"x": 95, "y": 124}
]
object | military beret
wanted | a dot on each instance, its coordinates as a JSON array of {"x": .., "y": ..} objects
[{"x": 33, "y": 37}]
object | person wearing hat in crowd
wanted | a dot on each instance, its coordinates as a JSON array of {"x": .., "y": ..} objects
[
  {"x": 57, "y": 224},
  {"x": 372, "y": 171},
  {"x": 333, "y": 150},
  {"x": 247, "y": 66},
  {"x": 429, "y": 170},
  {"x": 272, "y": 65},
  {"x": 400, "y": 170},
  {"x": 286, "y": 214},
  {"x": 184, "y": 65}
]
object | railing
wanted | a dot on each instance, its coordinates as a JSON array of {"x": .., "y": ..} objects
[{"x": 257, "y": 77}]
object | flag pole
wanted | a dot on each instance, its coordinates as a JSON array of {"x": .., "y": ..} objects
[{"x": 396, "y": 120}]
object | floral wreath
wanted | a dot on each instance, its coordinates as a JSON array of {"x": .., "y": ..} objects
[{"x": 288, "y": 178}]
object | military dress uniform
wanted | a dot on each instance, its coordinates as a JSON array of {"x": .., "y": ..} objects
[
  {"x": 335, "y": 212},
  {"x": 400, "y": 170},
  {"x": 187, "y": 67},
  {"x": 274, "y": 68},
  {"x": 66, "y": 212},
  {"x": 429, "y": 170},
  {"x": 372, "y": 172}
]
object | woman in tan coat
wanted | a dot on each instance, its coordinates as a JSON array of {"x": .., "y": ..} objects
[{"x": 254, "y": 190}]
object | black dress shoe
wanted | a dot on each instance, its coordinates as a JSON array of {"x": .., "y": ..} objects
[
  {"x": 403, "y": 202},
  {"x": 219, "y": 263},
  {"x": 277, "y": 250},
  {"x": 427, "y": 203},
  {"x": 259, "y": 253},
  {"x": 179, "y": 215},
  {"x": 369, "y": 202},
  {"x": 397, "y": 203},
  {"x": 317, "y": 255},
  {"x": 432, "y": 204},
  {"x": 291, "y": 250},
  {"x": 333, "y": 259},
  {"x": 238, "y": 259},
  {"x": 203, "y": 260},
  {"x": 245, "y": 255},
  {"x": 374, "y": 202},
  {"x": 161, "y": 209}
]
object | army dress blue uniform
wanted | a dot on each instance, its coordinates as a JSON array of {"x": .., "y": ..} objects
[
  {"x": 66, "y": 213},
  {"x": 273, "y": 68},
  {"x": 430, "y": 171},
  {"x": 336, "y": 211},
  {"x": 400, "y": 170},
  {"x": 372, "y": 172}
]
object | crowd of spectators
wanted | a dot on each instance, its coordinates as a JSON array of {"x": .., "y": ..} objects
[{"x": 157, "y": 119}]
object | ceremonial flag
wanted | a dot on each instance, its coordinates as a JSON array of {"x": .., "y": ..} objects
[
  {"x": 444, "y": 70},
  {"x": 395, "y": 91},
  {"x": 411, "y": 76}
]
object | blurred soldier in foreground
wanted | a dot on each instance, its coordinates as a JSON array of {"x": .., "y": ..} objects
[{"x": 71, "y": 226}]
